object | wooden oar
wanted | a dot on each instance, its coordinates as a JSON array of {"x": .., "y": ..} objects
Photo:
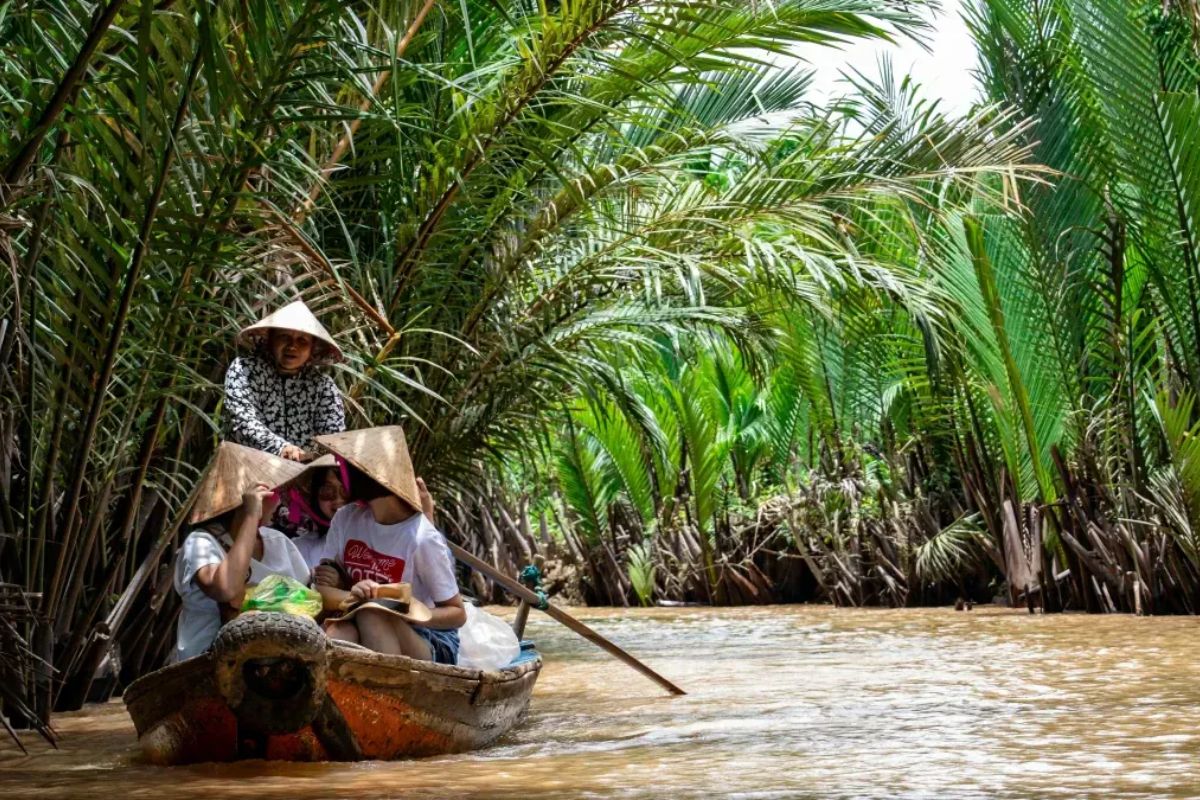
[{"x": 566, "y": 619}]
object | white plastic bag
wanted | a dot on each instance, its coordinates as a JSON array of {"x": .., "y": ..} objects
[{"x": 486, "y": 642}]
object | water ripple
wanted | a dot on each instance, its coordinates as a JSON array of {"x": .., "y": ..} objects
[{"x": 785, "y": 702}]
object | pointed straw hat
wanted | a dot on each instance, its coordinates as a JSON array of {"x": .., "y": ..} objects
[
  {"x": 310, "y": 469},
  {"x": 234, "y": 470},
  {"x": 382, "y": 453},
  {"x": 295, "y": 316}
]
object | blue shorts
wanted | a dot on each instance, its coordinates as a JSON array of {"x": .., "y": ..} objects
[{"x": 443, "y": 644}]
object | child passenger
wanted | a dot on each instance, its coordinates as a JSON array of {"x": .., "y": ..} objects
[
  {"x": 309, "y": 504},
  {"x": 231, "y": 548},
  {"x": 277, "y": 399},
  {"x": 306, "y": 509},
  {"x": 387, "y": 540}
]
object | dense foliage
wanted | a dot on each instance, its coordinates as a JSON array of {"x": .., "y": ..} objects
[
  {"x": 617, "y": 277},
  {"x": 1024, "y": 420}
]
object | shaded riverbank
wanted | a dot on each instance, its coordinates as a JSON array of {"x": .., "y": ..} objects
[{"x": 796, "y": 701}]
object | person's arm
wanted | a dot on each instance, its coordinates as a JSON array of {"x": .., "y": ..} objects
[
  {"x": 327, "y": 575},
  {"x": 435, "y": 565},
  {"x": 226, "y": 581},
  {"x": 428, "y": 506},
  {"x": 449, "y": 614},
  {"x": 200, "y": 549},
  {"x": 327, "y": 578},
  {"x": 331, "y": 596},
  {"x": 245, "y": 420}
]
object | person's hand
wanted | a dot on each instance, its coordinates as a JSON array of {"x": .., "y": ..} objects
[
  {"x": 365, "y": 590},
  {"x": 254, "y": 501},
  {"x": 293, "y": 453},
  {"x": 325, "y": 575},
  {"x": 270, "y": 502},
  {"x": 427, "y": 504}
]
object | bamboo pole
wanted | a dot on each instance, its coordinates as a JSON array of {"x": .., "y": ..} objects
[
  {"x": 522, "y": 617},
  {"x": 561, "y": 616}
]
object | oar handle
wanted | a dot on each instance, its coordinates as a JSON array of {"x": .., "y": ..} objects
[{"x": 561, "y": 616}]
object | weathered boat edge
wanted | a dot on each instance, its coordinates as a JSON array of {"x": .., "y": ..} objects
[{"x": 373, "y": 706}]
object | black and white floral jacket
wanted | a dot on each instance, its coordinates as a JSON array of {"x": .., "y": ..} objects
[{"x": 266, "y": 410}]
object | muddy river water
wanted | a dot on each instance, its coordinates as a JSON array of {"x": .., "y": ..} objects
[{"x": 784, "y": 702}]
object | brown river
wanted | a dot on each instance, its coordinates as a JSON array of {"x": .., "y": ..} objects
[{"x": 784, "y": 702}]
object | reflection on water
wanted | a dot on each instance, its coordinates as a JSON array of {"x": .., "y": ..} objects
[{"x": 798, "y": 701}]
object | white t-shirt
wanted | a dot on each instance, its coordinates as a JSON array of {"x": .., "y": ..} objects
[
  {"x": 200, "y": 617},
  {"x": 412, "y": 551},
  {"x": 311, "y": 545}
]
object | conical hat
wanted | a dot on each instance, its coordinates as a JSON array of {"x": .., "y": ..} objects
[
  {"x": 234, "y": 470},
  {"x": 295, "y": 316},
  {"x": 306, "y": 473},
  {"x": 382, "y": 453}
]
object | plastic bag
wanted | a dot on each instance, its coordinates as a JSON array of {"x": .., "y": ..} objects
[
  {"x": 281, "y": 593},
  {"x": 486, "y": 642}
]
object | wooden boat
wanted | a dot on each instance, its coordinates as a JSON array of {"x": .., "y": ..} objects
[{"x": 274, "y": 687}]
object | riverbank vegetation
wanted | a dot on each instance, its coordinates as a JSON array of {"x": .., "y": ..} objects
[{"x": 647, "y": 313}]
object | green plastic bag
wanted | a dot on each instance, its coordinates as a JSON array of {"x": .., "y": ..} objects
[{"x": 281, "y": 593}]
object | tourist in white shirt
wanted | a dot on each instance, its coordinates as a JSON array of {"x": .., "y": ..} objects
[
  {"x": 388, "y": 540},
  {"x": 231, "y": 548}
]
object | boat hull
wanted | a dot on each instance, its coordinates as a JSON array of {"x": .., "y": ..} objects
[{"x": 367, "y": 706}]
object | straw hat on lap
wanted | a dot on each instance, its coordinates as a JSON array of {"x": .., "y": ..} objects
[{"x": 395, "y": 599}]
